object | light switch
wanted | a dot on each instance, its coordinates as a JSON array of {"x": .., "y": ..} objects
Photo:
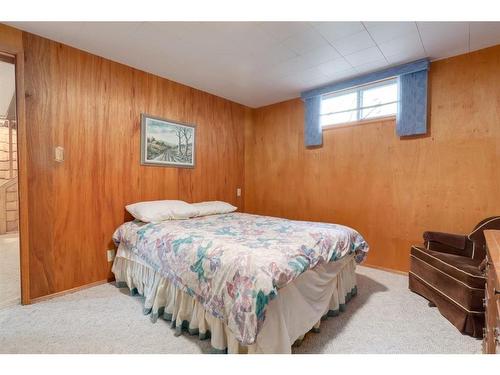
[
  {"x": 238, "y": 192},
  {"x": 59, "y": 154}
]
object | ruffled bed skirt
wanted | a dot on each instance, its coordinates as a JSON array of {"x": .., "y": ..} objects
[{"x": 298, "y": 308}]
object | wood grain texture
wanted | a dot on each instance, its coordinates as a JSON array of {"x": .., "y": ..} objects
[
  {"x": 91, "y": 107},
  {"x": 11, "y": 42},
  {"x": 389, "y": 189}
]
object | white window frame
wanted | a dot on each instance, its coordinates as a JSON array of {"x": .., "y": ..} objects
[{"x": 359, "y": 105}]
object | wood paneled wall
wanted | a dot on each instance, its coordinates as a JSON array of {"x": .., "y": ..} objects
[
  {"x": 91, "y": 107},
  {"x": 390, "y": 189}
]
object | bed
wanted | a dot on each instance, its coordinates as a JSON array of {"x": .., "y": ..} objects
[{"x": 250, "y": 283}]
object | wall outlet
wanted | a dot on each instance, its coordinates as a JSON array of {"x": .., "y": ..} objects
[
  {"x": 238, "y": 192},
  {"x": 111, "y": 255},
  {"x": 59, "y": 154}
]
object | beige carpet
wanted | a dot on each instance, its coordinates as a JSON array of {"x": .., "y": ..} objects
[
  {"x": 383, "y": 318},
  {"x": 10, "y": 287}
]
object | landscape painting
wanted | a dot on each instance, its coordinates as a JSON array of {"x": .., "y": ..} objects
[{"x": 167, "y": 143}]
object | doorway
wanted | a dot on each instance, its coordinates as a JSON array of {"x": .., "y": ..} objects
[{"x": 10, "y": 283}]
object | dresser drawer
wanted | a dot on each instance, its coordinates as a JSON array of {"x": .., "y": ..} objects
[{"x": 491, "y": 341}]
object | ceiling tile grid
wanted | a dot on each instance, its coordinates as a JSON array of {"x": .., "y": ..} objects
[{"x": 260, "y": 63}]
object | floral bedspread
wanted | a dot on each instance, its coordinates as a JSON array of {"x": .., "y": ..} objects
[{"x": 234, "y": 264}]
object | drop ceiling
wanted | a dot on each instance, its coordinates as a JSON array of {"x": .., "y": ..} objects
[{"x": 260, "y": 63}]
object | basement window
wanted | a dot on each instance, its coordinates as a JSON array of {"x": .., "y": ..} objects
[{"x": 365, "y": 102}]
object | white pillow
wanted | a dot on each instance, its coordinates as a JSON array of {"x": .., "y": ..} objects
[
  {"x": 156, "y": 211},
  {"x": 213, "y": 208}
]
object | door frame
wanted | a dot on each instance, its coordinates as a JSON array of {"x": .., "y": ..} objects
[{"x": 11, "y": 42}]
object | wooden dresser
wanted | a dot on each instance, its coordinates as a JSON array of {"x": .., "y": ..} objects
[{"x": 491, "y": 341}]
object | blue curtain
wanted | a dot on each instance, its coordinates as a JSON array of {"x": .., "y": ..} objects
[
  {"x": 313, "y": 134},
  {"x": 411, "y": 118}
]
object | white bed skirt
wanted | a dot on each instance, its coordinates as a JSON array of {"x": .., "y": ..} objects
[{"x": 297, "y": 309}]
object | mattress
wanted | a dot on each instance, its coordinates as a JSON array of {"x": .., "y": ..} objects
[{"x": 235, "y": 265}]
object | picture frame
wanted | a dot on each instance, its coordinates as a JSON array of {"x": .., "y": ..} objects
[{"x": 167, "y": 143}]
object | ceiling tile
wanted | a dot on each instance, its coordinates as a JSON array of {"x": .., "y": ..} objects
[
  {"x": 340, "y": 76},
  {"x": 169, "y": 28},
  {"x": 116, "y": 40},
  {"x": 293, "y": 82},
  {"x": 371, "y": 66},
  {"x": 270, "y": 57},
  {"x": 353, "y": 43},
  {"x": 288, "y": 67},
  {"x": 148, "y": 40},
  {"x": 63, "y": 32},
  {"x": 280, "y": 31},
  {"x": 337, "y": 30},
  {"x": 209, "y": 38},
  {"x": 305, "y": 41},
  {"x": 319, "y": 55},
  {"x": 385, "y": 31},
  {"x": 310, "y": 77},
  {"x": 270, "y": 92},
  {"x": 335, "y": 66},
  {"x": 484, "y": 34},
  {"x": 364, "y": 56},
  {"x": 404, "y": 57},
  {"x": 407, "y": 43},
  {"x": 248, "y": 34},
  {"x": 443, "y": 39}
]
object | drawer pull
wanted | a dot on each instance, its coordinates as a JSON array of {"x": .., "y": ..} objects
[{"x": 496, "y": 292}]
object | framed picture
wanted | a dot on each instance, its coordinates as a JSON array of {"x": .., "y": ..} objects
[{"x": 167, "y": 143}]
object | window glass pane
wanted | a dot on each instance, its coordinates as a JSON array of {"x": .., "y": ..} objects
[
  {"x": 380, "y": 95},
  {"x": 383, "y": 110},
  {"x": 339, "y": 103},
  {"x": 364, "y": 102},
  {"x": 339, "y": 118}
]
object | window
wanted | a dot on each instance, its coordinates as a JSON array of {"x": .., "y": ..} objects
[{"x": 365, "y": 102}]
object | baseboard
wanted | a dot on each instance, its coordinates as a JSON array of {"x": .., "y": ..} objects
[
  {"x": 69, "y": 291},
  {"x": 385, "y": 269}
]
